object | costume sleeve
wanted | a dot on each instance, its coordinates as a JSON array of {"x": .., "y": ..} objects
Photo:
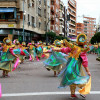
[
  {"x": 1, "y": 48},
  {"x": 66, "y": 50},
  {"x": 86, "y": 49},
  {"x": 11, "y": 51},
  {"x": 70, "y": 45},
  {"x": 84, "y": 59}
]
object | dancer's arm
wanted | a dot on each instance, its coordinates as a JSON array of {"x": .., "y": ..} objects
[
  {"x": 87, "y": 70},
  {"x": 70, "y": 45},
  {"x": 86, "y": 49}
]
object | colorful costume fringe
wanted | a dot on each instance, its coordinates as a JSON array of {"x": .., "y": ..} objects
[
  {"x": 55, "y": 61},
  {"x": 73, "y": 73}
]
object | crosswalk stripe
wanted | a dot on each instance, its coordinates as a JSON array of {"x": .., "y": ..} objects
[{"x": 43, "y": 93}]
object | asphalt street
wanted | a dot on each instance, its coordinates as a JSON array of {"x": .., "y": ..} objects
[{"x": 33, "y": 82}]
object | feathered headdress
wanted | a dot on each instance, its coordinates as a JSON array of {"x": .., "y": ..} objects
[
  {"x": 81, "y": 39},
  {"x": 7, "y": 40}
]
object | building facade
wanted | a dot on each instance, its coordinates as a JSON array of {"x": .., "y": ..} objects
[
  {"x": 89, "y": 26},
  {"x": 61, "y": 18},
  {"x": 79, "y": 28},
  {"x": 54, "y": 16},
  {"x": 28, "y": 18},
  {"x": 72, "y": 13}
]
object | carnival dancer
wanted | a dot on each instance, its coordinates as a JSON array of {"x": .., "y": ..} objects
[
  {"x": 46, "y": 50},
  {"x": 39, "y": 50},
  {"x": 20, "y": 51},
  {"x": 98, "y": 52},
  {"x": 7, "y": 56},
  {"x": 72, "y": 75},
  {"x": 91, "y": 49},
  {"x": 56, "y": 60},
  {"x": 23, "y": 48},
  {"x": 32, "y": 50}
]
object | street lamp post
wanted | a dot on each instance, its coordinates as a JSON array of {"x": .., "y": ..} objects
[
  {"x": 23, "y": 23},
  {"x": 47, "y": 31}
]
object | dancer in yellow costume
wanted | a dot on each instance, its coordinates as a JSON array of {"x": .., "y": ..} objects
[
  {"x": 56, "y": 60},
  {"x": 32, "y": 50},
  {"x": 72, "y": 75},
  {"x": 23, "y": 47},
  {"x": 7, "y": 56}
]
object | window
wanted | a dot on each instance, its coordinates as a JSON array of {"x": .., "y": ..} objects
[
  {"x": 24, "y": 17},
  {"x": 44, "y": 2},
  {"x": 85, "y": 31},
  {"x": 56, "y": 10},
  {"x": 39, "y": 24},
  {"x": 32, "y": 3},
  {"x": 52, "y": 2},
  {"x": 28, "y": 3},
  {"x": 45, "y": 26},
  {"x": 33, "y": 21},
  {"x": 57, "y": 20},
  {"x": 57, "y": 2},
  {"x": 39, "y": 11},
  {"x": 57, "y": 28},
  {"x": 28, "y": 17},
  {"x": 45, "y": 13},
  {"x": 9, "y": 15},
  {"x": 39, "y": 2}
]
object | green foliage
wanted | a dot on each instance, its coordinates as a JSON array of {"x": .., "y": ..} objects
[
  {"x": 52, "y": 36},
  {"x": 95, "y": 38},
  {"x": 59, "y": 37},
  {"x": 20, "y": 38}
]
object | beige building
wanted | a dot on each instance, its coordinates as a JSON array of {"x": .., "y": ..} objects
[
  {"x": 61, "y": 18},
  {"x": 54, "y": 16},
  {"x": 89, "y": 26},
  {"x": 33, "y": 23},
  {"x": 72, "y": 12}
]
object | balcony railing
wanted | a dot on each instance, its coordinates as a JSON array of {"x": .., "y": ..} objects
[
  {"x": 8, "y": 20},
  {"x": 52, "y": 17},
  {"x": 52, "y": 27},
  {"x": 8, "y": 0},
  {"x": 52, "y": 8}
]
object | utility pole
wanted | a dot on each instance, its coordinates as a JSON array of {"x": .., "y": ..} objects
[
  {"x": 47, "y": 31},
  {"x": 23, "y": 23}
]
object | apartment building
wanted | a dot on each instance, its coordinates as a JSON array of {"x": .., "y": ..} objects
[
  {"x": 98, "y": 28},
  {"x": 61, "y": 18},
  {"x": 79, "y": 28},
  {"x": 54, "y": 16},
  {"x": 89, "y": 26},
  {"x": 30, "y": 15},
  {"x": 72, "y": 13}
]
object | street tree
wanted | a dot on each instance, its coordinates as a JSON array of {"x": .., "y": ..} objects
[{"x": 95, "y": 38}]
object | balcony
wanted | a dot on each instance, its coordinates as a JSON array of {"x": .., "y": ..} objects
[
  {"x": 52, "y": 27},
  {"x": 73, "y": 19},
  {"x": 8, "y": 0},
  {"x": 73, "y": 5},
  {"x": 61, "y": 25},
  {"x": 61, "y": 19},
  {"x": 52, "y": 17},
  {"x": 52, "y": 8},
  {"x": 6, "y": 21},
  {"x": 11, "y": 3},
  {"x": 70, "y": 23}
]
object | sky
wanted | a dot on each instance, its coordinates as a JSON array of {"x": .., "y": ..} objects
[{"x": 88, "y": 8}]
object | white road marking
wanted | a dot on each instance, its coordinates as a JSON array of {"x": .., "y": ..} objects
[{"x": 43, "y": 93}]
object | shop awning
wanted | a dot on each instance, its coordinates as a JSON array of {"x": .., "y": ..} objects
[{"x": 7, "y": 9}]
